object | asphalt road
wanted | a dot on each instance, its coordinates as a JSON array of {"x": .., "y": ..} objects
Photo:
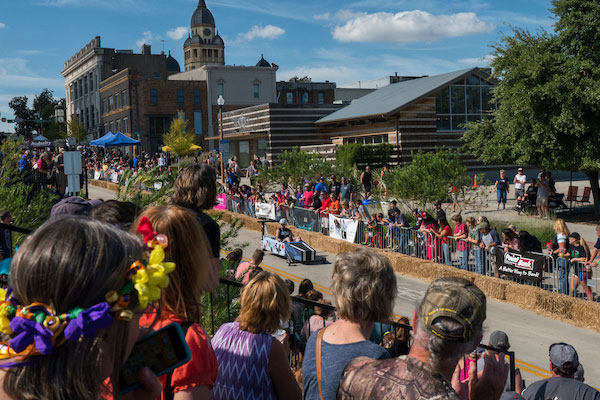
[{"x": 530, "y": 334}]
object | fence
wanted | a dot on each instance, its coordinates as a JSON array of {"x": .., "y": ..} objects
[
  {"x": 554, "y": 276},
  {"x": 229, "y": 290}
]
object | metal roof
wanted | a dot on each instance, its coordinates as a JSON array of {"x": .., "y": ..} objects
[{"x": 391, "y": 98}]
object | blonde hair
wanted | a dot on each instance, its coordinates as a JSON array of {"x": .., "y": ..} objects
[
  {"x": 561, "y": 227},
  {"x": 264, "y": 302},
  {"x": 363, "y": 286},
  {"x": 471, "y": 221},
  {"x": 188, "y": 249}
]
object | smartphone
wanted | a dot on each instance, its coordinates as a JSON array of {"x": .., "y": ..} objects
[{"x": 162, "y": 351}]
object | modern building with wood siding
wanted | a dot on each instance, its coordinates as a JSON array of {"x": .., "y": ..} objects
[
  {"x": 418, "y": 114},
  {"x": 268, "y": 129}
]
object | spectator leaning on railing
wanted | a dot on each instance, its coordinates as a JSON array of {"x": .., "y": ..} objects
[
  {"x": 364, "y": 288},
  {"x": 447, "y": 324}
]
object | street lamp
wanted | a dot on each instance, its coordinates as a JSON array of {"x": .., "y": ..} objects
[{"x": 221, "y": 102}]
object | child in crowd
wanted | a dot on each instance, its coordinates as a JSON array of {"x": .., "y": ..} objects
[
  {"x": 73, "y": 363},
  {"x": 578, "y": 252},
  {"x": 180, "y": 303},
  {"x": 245, "y": 269},
  {"x": 320, "y": 318}
]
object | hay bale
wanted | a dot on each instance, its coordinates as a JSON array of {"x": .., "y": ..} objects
[
  {"x": 587, "y": 313},
  {"x": 552, "y": 303},
  {"x": 492, "y": 287}
]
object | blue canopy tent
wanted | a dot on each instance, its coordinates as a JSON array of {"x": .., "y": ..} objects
[
  {"x": 102, "y": 141},
  {"x": 119, "y": 139}
]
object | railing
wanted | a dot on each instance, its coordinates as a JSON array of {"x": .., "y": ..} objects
[
  {"x": 232, "y": 289},
  {"x": 458, "y": 253}
]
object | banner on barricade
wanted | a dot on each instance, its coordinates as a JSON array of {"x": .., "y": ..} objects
[
  {"x": 265, "y": 210},
  {"x": 523, "y": 265},
  {"x": 342, "y": 228},
  {"x": 221, "y": 202}
]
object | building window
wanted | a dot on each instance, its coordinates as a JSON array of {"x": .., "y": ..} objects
[
  {"x": 112, "y": 127},
  {"x": 75, "y": 90},
  {"x": 198, "y": 122},
  {"x": 220, "y": 89},
  {"x": 124, "y": 101},
  {"x": 153, "y": 96},
  {"x": 106, "y": 128},
  {"x": 110, "y": 104},
  {"x": 117, "y": 101},
  {"x": 104, "y": 106},
  {"x": 125, "y": 125},
  {"x": 216, "y": 53},
  {"x": 467, "y": 100},
  {"x": 305, "y": 98},
  {"x": 375, "y": 139},
  {"x": 197, "y": 98},
  {"x": 203, "y": 53},
  {"x": 157, "y": 76},
  {"x": 209, "y": 53},
  {"x": 91, "y": 82},
  {"x": 92, "y": 115},
  {"x": 195, "y": 53},
  {"x": 321, "y": 98},
  {"x": 256, "y": 91},
  {"x": 290, "y": 98},
  {"x": 118, "y": 125},
  {"x": 180, "y": 98},
  {"x": 85, "y": 84}
]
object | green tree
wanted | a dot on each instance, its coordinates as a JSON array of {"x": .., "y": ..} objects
[
  {"x": 24, "y": 114},
  {"x": 28, "y": 207},
  {"x": 76, "y": 129},
  {"x": 429, "y": 177},
  {"x": 547, "y": 96},
  {"x": 295, "y": 166},
  {"x": 180, "y": 138}
]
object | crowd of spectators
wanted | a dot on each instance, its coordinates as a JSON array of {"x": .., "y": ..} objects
[{"x": 86, "y": 250}]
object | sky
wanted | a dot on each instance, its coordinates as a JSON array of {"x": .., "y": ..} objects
[{"x": 343, "y": 41}]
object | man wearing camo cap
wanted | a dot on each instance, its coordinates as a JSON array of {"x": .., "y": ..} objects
[
  {"x": 447, "y": 325},
  {"x": 564, "y": 362}
]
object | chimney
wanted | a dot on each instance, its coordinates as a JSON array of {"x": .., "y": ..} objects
[{"x": 146, "y": 49}]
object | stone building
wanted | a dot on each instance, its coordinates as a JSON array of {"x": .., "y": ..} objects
[
  {"x": 92, "y": 64},
  {"x": 305, "y": 91},
  {"x": 204, "y": 45}
]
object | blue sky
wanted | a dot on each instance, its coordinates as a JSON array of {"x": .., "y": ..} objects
[{"x": 340, "y": 41}]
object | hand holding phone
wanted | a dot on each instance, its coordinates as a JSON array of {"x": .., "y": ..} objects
[{"x": 161, "y": 351}]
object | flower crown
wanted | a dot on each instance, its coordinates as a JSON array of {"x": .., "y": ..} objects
[{"x": 37, "y": 328}]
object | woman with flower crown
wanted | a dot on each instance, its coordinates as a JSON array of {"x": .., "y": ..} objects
[
  {"x": 72, "y": 311},
  {"x": 189, "y": 250}
]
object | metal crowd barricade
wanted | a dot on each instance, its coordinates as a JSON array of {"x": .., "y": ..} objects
[
  {"x": 307, "y": 219},
  {"x": 582, "y": 280}
]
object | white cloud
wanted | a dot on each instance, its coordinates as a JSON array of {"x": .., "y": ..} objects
[
  {"x": 324, "y": 16},
  {"x": 2, "y": 25},
  {"x": 15, "y": 73},
  {"x": 268, "y": 32},
  {"x": 406, "y": 26},
  {"x": 178, "y": 33},
  {"x": 146, "y": 39}
]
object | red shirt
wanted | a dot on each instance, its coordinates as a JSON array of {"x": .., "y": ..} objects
[
  {"x": 202, "y": 368},
  {"x": 326, "y": 203}
]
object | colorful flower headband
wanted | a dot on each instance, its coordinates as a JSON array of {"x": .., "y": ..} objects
[{"x": 37, "y": 329}]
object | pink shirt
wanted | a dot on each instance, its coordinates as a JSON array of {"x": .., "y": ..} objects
[
  {"x": 461, "y": 244},
  {"x": 313, "y": 324},
  {"x": 243, "y": 271},
  {"x": 308, "y": 197}
]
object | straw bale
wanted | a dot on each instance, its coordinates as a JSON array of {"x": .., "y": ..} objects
[
  {"x": 492, "y": 287},
  {"x": 587, "y": 312}
]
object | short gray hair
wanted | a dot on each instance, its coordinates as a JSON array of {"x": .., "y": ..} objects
[{"x": 363, "y": 286}]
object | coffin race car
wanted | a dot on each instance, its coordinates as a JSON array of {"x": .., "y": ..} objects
[{"x": 292, "y": 251}]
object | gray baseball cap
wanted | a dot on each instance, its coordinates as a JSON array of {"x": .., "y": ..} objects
[
  {"x": 564, "y": 356},
  {"x": 283, "y": 221},
  {"x": 499, "y": 340}
]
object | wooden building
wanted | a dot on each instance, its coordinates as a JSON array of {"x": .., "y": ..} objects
[{"x": 418, "y": 114}]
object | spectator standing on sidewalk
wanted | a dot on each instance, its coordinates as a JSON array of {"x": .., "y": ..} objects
[
  {"x": 520, "y": 180},
  {"x": 559, "y": 248},
  {"x": 366, "y": 179},
  {"x": 562, "y": 385},
  {"x": 447, "y": 325},
  {"x": 461, "y": 235},
  {"x": 501, "y": 187},
  {"x": 543, "y": 193},
  {"x": 346, "y": 190}
]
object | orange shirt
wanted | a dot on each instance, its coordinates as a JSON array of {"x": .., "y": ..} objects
[{"x": 335, "y": 207}]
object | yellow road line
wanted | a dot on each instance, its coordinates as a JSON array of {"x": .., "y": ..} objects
[{"x": 530, "y": 368}]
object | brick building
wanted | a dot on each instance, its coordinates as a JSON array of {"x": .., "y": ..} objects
[
  {"x": 144, "y": 108},
  {"x": 304, "y": 91}
]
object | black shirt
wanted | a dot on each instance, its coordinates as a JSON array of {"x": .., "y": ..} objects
[
  {"x": 5, "y": 243},
  {"x": 335, "y": 188},
  {"x": 391, "y": 212},
  {"x": 212, "y": 231},
  {"x": 367, "y": 178},
  {"x": 317, "y": 203},
  {"x": 576, "y": 251},
  {"x": 597, "y": 245},
  {"x": 284, "y": 233}
]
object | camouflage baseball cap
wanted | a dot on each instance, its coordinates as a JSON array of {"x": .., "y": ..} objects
[{"x": 455, "y": 298}]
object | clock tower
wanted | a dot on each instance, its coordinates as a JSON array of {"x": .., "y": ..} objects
[{"x": 204, "y": 46}]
